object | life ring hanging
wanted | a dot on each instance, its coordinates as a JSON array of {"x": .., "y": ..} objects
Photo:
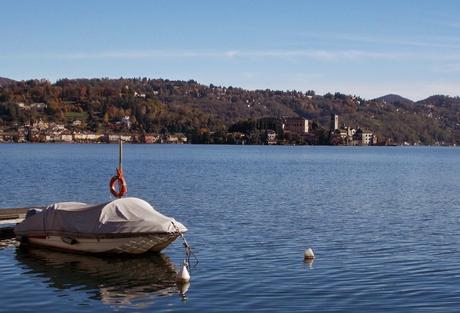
[{"x": 119, "y": 180}]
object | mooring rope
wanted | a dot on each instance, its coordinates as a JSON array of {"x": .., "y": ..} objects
[{"x": 188, "y": 249}]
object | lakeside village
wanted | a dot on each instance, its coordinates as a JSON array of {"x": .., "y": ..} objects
[{"x": 291, "y": 130}]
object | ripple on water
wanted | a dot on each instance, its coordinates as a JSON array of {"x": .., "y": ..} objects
[{"x": 383, "y": 224}]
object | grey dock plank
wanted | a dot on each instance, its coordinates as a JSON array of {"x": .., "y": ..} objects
[{"x": 13, "y": 214}]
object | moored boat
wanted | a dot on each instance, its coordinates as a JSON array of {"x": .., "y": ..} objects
[{"x": 125, "y": 225}]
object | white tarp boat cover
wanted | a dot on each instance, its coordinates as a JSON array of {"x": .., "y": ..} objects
[{"x": 121, "y": 216}]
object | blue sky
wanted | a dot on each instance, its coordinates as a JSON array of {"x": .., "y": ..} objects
[{"x": 368, "y": 48}]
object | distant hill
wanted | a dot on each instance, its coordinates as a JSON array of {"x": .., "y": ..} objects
[
  {"x": 167, "y": 106},
  {"x": 394, "y": 99},
  {"x": 440, "y": 101},
  {"x": 5, "y": 81}
]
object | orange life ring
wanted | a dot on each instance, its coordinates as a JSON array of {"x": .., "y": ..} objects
[{"x": 119, "y": 180}]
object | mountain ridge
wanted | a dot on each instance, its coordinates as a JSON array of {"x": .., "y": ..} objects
[
  {"x": 390, "y": 97},
  {"x": 394, "y": 98},
  {"x": 5, "y": 81}
]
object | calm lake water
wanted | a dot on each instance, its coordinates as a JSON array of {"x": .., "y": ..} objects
[{"x": 383, "y": 222}]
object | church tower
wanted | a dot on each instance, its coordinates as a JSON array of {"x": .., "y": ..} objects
[{"x": 334, "y": 122}]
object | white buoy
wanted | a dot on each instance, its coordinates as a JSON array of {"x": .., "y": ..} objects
[
  {"x": 308, "y": 254},
  {"x": 183, "y": 276}
]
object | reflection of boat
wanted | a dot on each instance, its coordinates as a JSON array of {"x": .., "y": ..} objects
[
  {"x": 111, "y": 279},
  {"x": 127, "y": 225},
  {"x": 7, "y": 243}
]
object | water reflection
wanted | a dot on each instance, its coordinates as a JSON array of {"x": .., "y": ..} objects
[
  {"x": 309, "y": 263},
  {"x": 183, "y": 289},
  {"x": 8, "y": 243},
  {"x": 114, "y": 280}
]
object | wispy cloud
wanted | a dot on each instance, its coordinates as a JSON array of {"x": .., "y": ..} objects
[
  {"x": 137, "y": 54},
  {"x": 395, "y": 41},
  {"x": 448, "y": 68},
  {"x": 241, "y": 54},
  {"x": 321, "y": 55},
  {"x": 452, "y": 24},
  {"x": 324, "y": 55}
]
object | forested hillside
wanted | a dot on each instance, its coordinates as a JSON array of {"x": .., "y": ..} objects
[{"x": 162, "y": 106}]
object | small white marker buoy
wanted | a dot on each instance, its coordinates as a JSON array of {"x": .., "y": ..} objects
[
  {"x": 183, "y": 276},
  {"x": 308, "y": 254}
]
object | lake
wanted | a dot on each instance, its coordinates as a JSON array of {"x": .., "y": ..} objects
[{"x": 382, "y": 221}]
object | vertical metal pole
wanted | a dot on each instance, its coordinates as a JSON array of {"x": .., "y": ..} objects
[{"x": 120, "y": 153}]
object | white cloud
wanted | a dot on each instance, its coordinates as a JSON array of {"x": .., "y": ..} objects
[
  {"x": 231, "y": 53},
  {"x": 425, "y": 42},
  {"x": 322, "y": 55},
  {"x": 447, "y": 68}
]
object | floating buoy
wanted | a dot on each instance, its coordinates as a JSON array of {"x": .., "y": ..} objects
[
  {"x": 308, "y": 254},
  {"x": 183, "y": 276}
]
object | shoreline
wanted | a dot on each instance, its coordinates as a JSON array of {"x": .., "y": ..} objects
[{"x": 224, "y": 144}]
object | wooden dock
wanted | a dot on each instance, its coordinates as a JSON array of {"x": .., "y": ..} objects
[
  {"x": 12, "y": 214},
  {"x": 8, "y": 218}
]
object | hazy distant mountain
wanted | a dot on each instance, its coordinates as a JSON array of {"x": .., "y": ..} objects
[
  {"x": 5, "y": 81},
  {"x": 394, "y": 99},
  {"x": 440, "y": 101}
]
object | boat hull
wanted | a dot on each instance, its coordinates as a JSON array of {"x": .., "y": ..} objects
[{"x": 128, "y": 244}]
